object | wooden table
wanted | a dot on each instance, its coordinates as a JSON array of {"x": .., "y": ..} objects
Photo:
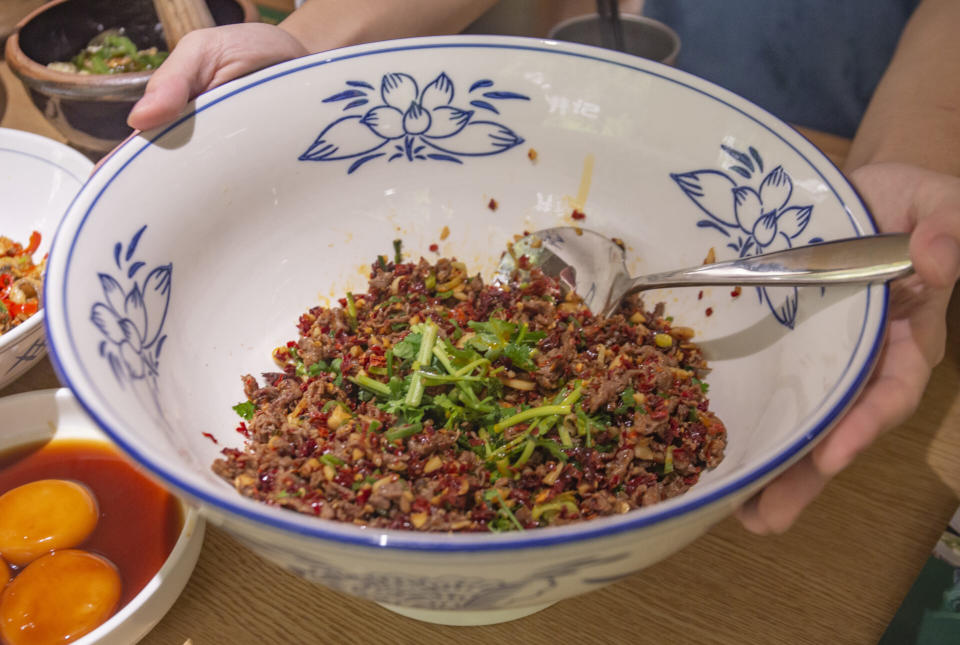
[{"x": 837, "y": 577}]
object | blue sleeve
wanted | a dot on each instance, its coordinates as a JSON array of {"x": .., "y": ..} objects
[{"x": 811, "y": 62}]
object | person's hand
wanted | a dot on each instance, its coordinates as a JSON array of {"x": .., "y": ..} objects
[
  {"x": 207, "y": 58},
  {"x": 903, "y": 199}
]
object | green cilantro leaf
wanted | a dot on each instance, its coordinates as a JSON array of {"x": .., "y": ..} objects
[
  {"x": 408, "y": 347},
  {"x": 245, "y": 409}
]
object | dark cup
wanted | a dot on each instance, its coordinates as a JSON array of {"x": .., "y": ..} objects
[{"x": 642, "y": 36}]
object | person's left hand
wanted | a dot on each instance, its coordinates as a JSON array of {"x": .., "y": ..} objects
[
  {"x": 903, "y": 199},
  {"x": 206, "y": 58}
]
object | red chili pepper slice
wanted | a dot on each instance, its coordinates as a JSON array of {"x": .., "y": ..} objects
[{"x": 34, "y": 243}]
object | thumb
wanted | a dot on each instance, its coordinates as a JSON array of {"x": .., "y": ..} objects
[
  {"x": 187, "y": 72},
  {"x": 935, "y": 247}
]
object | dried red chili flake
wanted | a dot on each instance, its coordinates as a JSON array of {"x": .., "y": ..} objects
[
  {"x": 434, "y": 248},
  {"x": 736, "y": 292},
  {"x": 307, "y": 448},
  {"x": 242, "y": 429},
  {"x": 700, "y": 295},
  {"x": 211, "y": 437},
  {"x": 523, "y": 262},
  {"x": 342, "y": 301},
  {"x": 709, "y": 311},
  {"x": 492, "y": 204},
  {"x": 577, "y": 214}
]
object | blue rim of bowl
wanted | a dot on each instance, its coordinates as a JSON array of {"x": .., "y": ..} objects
[{"x": 412, "y": 540}]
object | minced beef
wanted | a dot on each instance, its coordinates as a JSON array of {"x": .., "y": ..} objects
[{"x": 437, "y": 403}]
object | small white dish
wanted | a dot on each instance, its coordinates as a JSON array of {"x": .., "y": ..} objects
[
  {"x": 39, "y": 177},
  {"x": 54, "y": 415}
]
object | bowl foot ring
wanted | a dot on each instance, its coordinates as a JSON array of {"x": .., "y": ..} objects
[{"x": 464, "y": 618}]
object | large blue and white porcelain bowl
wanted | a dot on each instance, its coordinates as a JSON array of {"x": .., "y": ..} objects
[{"x": 192, "y": 251}]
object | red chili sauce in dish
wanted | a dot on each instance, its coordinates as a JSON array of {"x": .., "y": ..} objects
[{"x": 137, "y": 521}]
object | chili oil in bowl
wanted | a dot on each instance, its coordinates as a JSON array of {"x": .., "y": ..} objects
[{"x": 94, "y": 551}]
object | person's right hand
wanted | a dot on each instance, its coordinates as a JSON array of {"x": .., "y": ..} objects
[
  {"x": 206, "y": 58},
  {"x": 903, "y": 198}
]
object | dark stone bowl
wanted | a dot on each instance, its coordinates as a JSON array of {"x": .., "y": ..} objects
[{"x": 91, "y": 110}]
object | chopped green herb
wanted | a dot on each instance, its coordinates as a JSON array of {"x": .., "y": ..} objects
[
  {"x": 532, "y": 413},
  {"x": 245, "y": 409},
  {"x": 318, "y": 368},
  {"x": 335, "y": 367},
  {"x": 351, "y": 309},
  {"x": 494, "y": 495},
  {"x": 408, "y": 347},
  {"x": 372, "y": 385},
  {"x": 331, "y": 460},
  {"x": 402, "y": 432},
  {"x": 424, "y": 354}
]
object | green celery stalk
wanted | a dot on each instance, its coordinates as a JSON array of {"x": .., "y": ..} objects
[
  {"x": 370, "y": 384},
  {"x": 463, "y": 371},
  {"x": 427, "y": 341},
  {"x": 444, "y": 359},
  {"x": 402, "y": 432},
  {"x": 528, "y": 449},
  {"x": 351, "y": 307},
  {"x": 532, "y": 413}
]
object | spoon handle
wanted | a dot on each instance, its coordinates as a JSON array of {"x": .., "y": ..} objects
[{"x": 873, "y": 258}]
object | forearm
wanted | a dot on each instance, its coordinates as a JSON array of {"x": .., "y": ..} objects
[
  {"x": 914, "y": 115},
  {"x": 326, "y": 24}
]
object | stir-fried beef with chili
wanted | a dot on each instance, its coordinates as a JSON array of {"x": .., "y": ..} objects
[
  {"x": 21, "y": 281},
  {"x": 438, "y": 403}
]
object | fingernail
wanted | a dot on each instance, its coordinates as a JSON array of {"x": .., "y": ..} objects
[{"x": 947, "y": 253}]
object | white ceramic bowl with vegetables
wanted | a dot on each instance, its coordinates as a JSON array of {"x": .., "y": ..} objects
[
  {"x": 192, "y": 252},
  {"x": 38, "y": 178}
]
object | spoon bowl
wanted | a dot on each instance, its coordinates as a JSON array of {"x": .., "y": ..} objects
[{"x": 594, "y": 266}]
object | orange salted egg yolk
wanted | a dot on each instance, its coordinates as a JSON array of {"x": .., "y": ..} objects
[
  {"x": 44, "y": 515},
  {"x": 58, "y": 598}
]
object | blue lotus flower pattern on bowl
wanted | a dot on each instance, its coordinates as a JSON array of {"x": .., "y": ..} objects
[
  {"x": 32, "y": 353},
  {"x": 131, "y": 320},
  {"x": 756, "y": 220},
  {"x": 413, "y": 124},
  {"x": 448, "y": 591}
]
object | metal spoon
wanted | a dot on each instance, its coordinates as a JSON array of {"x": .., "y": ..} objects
[{"x": 594, "y": 266}]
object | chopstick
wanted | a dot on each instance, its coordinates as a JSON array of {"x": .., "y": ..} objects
[{"x": 611, "y": 29}]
